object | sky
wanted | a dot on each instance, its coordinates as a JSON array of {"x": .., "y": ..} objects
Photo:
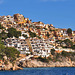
[{"x": 60, "y": 13}]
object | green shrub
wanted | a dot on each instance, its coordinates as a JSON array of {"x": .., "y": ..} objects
[
  {"x": 52, "y": 51},
  {"x": 13, "y": 32},
  {"x": 39, "y": 37},
  {"x": 50, "y": 58},
  {"x": 25, "y": 36},
  {"x": 32, "y": 34},
  {"x": 6, "y": 63},
  {"x": 69, "y": 31},
  {"x": 43, "y": 59}
]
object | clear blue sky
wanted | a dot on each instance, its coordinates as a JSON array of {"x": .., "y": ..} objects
[{"x": 60, "y": 13}]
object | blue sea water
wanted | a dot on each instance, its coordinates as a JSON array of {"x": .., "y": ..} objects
[{"x": 41, "y": 71}]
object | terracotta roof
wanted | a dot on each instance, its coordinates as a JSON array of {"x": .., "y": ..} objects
[{"x": 38, "y": 23}]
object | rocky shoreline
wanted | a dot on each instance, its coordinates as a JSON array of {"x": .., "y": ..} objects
[
  {"x": 35, "y": 63},
  {"x": 19, "y": 65},
  {"x": 10, "y": 66}
]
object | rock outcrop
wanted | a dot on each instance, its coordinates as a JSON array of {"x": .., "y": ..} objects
[
  {"x": 10, "y": 66},
  {"x": 35, "y": 63}
]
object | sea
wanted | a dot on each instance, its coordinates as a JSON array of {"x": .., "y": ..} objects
[{"x": 42, "y": 71}]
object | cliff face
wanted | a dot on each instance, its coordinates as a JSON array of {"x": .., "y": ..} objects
[
  {"x": 10, "y": 66},
  {"x": 35, "y": 63}
]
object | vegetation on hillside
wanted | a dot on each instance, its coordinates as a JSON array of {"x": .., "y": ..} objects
[
  {"x": 32, "y": 34},
  {"x": 1, "y": 27},
  {"x": 10, "y": 52},
  {"x": 52, "y": 51},
  {"x": 13, "y": 32},
  {"x": 25, "y": 36},
  {"x": 69, "y": 31},
  {"x": 67, "y": 42},
  {"x": 47, "y": 35},
  {"x": 43, "y": 59},
  {"x": 3, "y": 35}
]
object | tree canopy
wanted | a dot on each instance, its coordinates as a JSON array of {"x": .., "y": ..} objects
[
  {"x": 47, "y": 34},
  {"x": 13, "y": 32},
  {"x": 25, "y": 36},
  {"x": 3, "y": 35},
  {"x": 52, "y": 51},
  {"x": 69, "y": 31},
  {"x": 10, "y": 52},
  {"x": 32, "y": 34},
  {"x": 68, "y": 43},
  {"x": 1, "y": 27}
]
